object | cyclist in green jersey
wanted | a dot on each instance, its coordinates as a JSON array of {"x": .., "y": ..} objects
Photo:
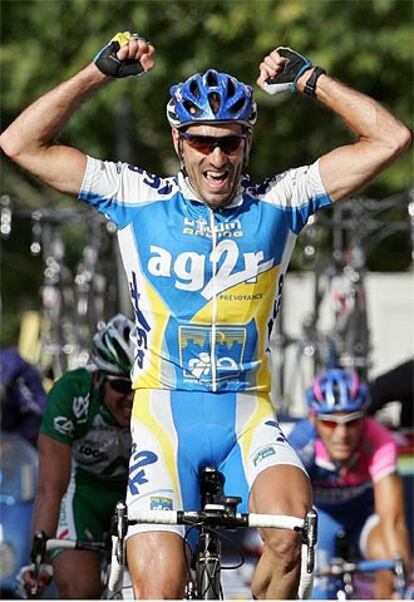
[{"x": 84, "y": 447}]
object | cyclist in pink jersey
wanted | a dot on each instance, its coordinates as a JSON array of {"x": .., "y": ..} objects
[{"x": 352, "y": 462}]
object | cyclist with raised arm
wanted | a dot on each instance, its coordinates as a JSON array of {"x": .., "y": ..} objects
[
  {"x": 352, "y": 462},
  {"x": 84, "y": 448},
  {"x": 205, "y": 254}
]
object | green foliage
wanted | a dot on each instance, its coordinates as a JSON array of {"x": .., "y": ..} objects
[{"x": 366, "y": 43}]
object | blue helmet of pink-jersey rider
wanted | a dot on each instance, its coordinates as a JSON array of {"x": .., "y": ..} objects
[
  {"x": 337, "y": 391},
  {"x": 211, "y": 96}
]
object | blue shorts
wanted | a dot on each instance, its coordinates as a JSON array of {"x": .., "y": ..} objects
[{"x": 175, "y": 433}]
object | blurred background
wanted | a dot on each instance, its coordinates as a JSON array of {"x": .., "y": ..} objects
[
  {"x": 367, "y": 44},
  {"x": 348, "y": 299}
]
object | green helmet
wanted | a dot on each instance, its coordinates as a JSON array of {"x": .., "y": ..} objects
[{"x": 112, "y": 349}]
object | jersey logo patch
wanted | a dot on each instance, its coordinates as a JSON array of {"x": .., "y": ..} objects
[
  {"x": 195, "y": 352},
  {"x": 81, "y": 407},
  {"x": 64, "y": 426}
]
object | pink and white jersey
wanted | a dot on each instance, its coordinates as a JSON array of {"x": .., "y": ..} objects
[{"x": 335, "y": 483}]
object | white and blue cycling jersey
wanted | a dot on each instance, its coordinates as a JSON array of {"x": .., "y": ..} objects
[{"x": 205, "y": 285}]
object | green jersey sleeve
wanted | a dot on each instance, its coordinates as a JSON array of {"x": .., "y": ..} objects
[{"x": 67, "y": 406}]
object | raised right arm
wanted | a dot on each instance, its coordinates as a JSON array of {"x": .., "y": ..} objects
[{"x": 31, "y": 140}]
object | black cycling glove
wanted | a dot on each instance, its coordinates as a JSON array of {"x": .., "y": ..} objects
[
  {"x": 107, "y": 61},
  {"x": 295, "y": 65}
]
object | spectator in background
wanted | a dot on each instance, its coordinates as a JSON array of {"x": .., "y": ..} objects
[
  {"x": 395, "y": 385},
  {"x": 22, "y": 395}
]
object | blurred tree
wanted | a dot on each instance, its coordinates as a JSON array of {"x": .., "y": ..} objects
[{"x": 366, "y": 43}]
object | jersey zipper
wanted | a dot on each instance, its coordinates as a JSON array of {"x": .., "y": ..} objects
[{"x": 213, "y": 302}]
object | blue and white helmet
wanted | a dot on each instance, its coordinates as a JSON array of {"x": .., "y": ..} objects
[
  {"x": 112, "y": 350},
  {"x": 337, "y": 391},
  {"x": 211, "y": 96}
]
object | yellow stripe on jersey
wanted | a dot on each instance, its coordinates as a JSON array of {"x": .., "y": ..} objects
[{"x": 149, "y": 377}]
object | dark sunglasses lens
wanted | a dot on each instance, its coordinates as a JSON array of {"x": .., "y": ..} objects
[
  {"x": 200, "y": 144},
  {"x": 207, "y": 144},
  {"x": 229, "y": 144},
  {"x": 121, "y": 386},
  {"x": 330, "y": 424}
]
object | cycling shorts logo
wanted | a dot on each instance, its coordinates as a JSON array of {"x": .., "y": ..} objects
[
  {"x": 161, "y": 503},
  {"x": 64, "y": 426},
  {"x": 81, "y": 407},
  {"x": 138, "y": 473},
  {"x": 195, "y": 350},
  {"x": 262, "y": 454}
]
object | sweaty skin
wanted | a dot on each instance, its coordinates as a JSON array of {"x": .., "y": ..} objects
[{"x": 214, "y": 177}]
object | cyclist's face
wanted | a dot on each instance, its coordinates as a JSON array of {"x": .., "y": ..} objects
[
  {"x": 118, "y": 398},
  {"x": 339, "y": 439},
  {"x": 214, "y": 168}
]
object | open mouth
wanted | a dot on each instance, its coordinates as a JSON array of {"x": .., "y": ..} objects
[{"x": 216, "y": 179}]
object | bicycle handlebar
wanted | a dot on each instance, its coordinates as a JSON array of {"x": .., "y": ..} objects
[
  {"x": 217, "y": 516},
  {"x": 340, "y": 568},
  {"x": 75, "y": 544},
  {"x": 179, "y": 517},
  {"x": 43, "y": 544}
]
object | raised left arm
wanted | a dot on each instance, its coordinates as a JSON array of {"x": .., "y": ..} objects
[{"x": 380, "y": 137}]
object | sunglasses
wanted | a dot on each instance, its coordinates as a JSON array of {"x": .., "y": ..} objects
[
  {"x": 120, "y": 385},
  {"x": 332, "y": 421},
  {"x": 207, "y": 144}
]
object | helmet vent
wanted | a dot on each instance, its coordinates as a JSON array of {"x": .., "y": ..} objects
[
  {"x": 237, "y": 106},
  {"x": 231, "y": 89},
  {"x": 194, "y": 88},
  {"x": 211, "y": 79},
  {"x": 214, "y": 101},
  {"x": 191, "y": 107}
]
